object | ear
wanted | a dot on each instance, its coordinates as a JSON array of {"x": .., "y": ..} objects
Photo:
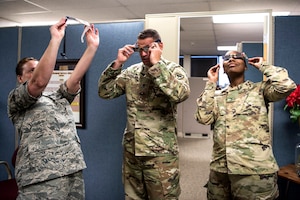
[
  {"x": 19, "y": 78},
  {"x": 161, "y": 45}
]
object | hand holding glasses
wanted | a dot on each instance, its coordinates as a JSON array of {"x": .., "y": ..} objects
[
  {"x": 86, "y": 28},
  {"x": 143, "y": 49},
  {"x": 255, "y": 61}
]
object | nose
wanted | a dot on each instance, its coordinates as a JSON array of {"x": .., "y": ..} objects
[
  {"x": 231, "y": 58},
  {"x": 143, "y": 53}
]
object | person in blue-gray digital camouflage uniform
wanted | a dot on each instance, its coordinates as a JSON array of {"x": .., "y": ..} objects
[
  {"x": 49, "y": 161},
  {"x": 153, "y": 88},
  {"x": 242, "y": 165}
]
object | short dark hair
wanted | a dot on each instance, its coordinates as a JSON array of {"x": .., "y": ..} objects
[
  {"x": 149, "y": 33},
  {"x": 21, "y": 63}
]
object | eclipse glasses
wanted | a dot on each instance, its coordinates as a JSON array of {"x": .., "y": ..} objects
[
  {"x": 143, "y": 49},
  {"x": 242, "y": 56},
  {"x": 86, "y": 28}
]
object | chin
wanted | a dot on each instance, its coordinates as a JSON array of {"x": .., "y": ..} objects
[{"x": 147, "y": 63}]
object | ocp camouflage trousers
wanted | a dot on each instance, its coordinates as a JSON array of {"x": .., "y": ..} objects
[
  {"x": 151, "y": 178},
  {"x": 222, "y": 186}
]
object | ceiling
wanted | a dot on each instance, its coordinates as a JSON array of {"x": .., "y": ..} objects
[{"x": 198, "y": 36}]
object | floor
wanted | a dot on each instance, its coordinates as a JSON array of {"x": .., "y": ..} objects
[{"x": 194, "y": 160}]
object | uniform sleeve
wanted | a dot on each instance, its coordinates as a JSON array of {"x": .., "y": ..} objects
[
  {"x": 18, "y": 100},
  {"x": 205, "y": 104},
  {"x": 278, "y": 83},
  {"x": 171, "y": 79},
  {"x": 63, "y": 90},
  {"x": 109, "y": 86}
]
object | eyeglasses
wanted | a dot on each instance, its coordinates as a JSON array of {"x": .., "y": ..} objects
[
  {"x": 144, "y": 49},
  {"x": 235, "y": 56},
  {"x": 78, "y": 20},
  {"x": 86, "y": 28}
]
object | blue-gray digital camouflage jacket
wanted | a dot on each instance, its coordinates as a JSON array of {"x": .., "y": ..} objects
[
  {"x": 152, "y": 95},
  {"x": 49, "y": 145},
  {"x": 241, "y": 135}
]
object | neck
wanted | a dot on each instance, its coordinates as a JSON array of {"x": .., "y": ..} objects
[{"x": 236, "y": 82}]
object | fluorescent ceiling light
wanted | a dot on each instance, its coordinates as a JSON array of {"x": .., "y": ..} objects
[
  {"x": 226, "y": 48},
  {"x": 239, "y": 18},
  {"x": 280, "y": 13},
  {"x": 41, "y": 23},
  {"x": 245, "y": 18}
]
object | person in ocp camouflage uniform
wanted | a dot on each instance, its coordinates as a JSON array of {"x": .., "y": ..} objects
[
  {"x": 243, "y": 165},
  {"x": 153, "y": 88},
  {"x": 49, "y": 161}
]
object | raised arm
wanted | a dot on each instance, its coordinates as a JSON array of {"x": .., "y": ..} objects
[
  {"x": 92, "y": 39},
  {"x": 45, "y": 66}
]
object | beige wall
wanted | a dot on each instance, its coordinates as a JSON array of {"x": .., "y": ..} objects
[{"x": 168, "y": 28}]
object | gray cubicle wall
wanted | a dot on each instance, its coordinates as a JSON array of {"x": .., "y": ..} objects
[
  {"x": 285, "y": 138},
  {"x": 286, "y": 54},
  {"x": 8, "y": 59}
]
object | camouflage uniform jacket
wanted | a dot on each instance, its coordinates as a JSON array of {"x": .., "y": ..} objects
[
  {"x": 49, "y": 144},
  {"x": 152, "y": 95},
  {"x": 242, "y": 141}
]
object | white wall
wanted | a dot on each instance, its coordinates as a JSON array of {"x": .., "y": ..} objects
[{"x": 191, "y": 128}]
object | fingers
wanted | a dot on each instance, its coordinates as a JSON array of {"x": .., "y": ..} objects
[
  {"x": 58, "y": 30},
  {"x": 61, "y": 23},
  {"x": 92, "y": 35},
  {"x": 213, "y": 73},
  {"x": 125, "y": 51},
  {"x": 129, "y": 48},
  {"x": 255, "y": 61},
  {"x": 96, "y": 31},
  {"x": 154, "y": 45},
  {"x": 91, "y": 29},
  {"x": 215, "y": 68}
]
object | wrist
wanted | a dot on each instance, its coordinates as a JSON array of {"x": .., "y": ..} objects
[
  {"x": 117, "y": 64},
  {"x": 91, "y": 49},
  {"x": 55, "y": 41},
  {"x": 155, "y": 61}
]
